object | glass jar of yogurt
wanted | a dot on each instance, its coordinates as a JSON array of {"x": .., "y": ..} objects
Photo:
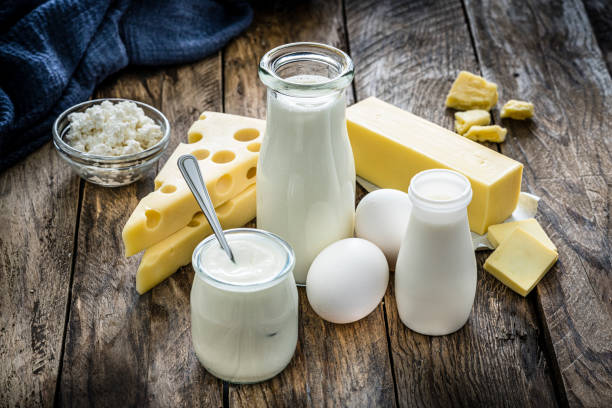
[
  {"x": 244, "y": 315},
  {"x": 306, "y": 171}
]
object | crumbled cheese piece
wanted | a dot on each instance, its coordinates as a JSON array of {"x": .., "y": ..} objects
[
  {"x": 111, "y": 129},
  {"x": 494, "y": 133},
  {"x": 514, "y": 109},
  {"x": 471, "y": 91},
  {"x": 465, "y": 120}
]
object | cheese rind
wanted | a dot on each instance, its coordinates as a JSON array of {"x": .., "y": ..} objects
[
  {"x": 465, "y": 120},
  {"x": 519, "y": 110},
  {"x": 520, "y": 261},
  {"x": 227, "y": 148},
  {"x": 164, "y": 258},
  {"x": 494, "y": 133},
  {"x": 471, "y": 91},
  {"x": 391, "y": 145},
  {"x": 498, "y": 233}
]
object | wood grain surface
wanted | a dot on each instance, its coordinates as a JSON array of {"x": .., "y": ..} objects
[
  {"x": 123, "y": 349},
  {"x": 334, "y": 365},
  {"x": 74, "y": 331},
  {"x": 38, "y": 214},
  {"x": 545, "y": 52},
  {"x": 408, "y": 54}
]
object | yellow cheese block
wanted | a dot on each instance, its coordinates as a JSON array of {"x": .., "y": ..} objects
[
  {"x": 520, "y": 261},
  {"x": 471, "y": 91},
  {"x": 391, "y": 145},
  {"x": 514, "y": 109},
  {"x": 167, "y": 256},
  {"x": 227, "y": 148},
  {"x": 465, "y": 120},
  {"x": 498, "y": 233},
  {"x": 493, "y": 133}
]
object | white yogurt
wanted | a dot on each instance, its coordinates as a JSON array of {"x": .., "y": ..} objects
[
  {"x": 244, "y": 316},
  {"x": 306, "y": 173},
  {"x": 435, "y": 275}
]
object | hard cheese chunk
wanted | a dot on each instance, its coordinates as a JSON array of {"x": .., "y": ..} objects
[
  {"x": 493, "y": 133},
  {"x": 471, "y": 91},
  {"x": 391, "y": 145},
  {"x": 164, "y": 258},
  {"x": 520, "y": 261},
  {"x": 227, "y": 148},
  {"x": 514, "y": 109},
  {"x": 465, "y": 120},
  {"x": 498, "y": 233}
]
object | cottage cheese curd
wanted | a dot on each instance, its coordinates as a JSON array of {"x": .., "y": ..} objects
[{"x": 111, "y": 129}]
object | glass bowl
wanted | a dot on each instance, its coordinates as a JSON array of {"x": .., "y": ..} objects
[{"x": 110, "y": 171}]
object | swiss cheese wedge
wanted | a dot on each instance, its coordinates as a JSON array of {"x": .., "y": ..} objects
[
  {"x": 227, "y": 148},
  {"x": 164, "y": 258}
]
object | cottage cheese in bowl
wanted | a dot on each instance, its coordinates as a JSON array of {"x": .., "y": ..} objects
[
  {"x": 109, "y": 129},
  {"x": 111, "y": 142}
]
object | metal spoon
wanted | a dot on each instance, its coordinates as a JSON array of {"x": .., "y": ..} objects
[{"x": 188, "y": 165}]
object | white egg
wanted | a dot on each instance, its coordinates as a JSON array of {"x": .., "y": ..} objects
[
  {"x": 381, "y": 218},
  {"x": 347, "y": 280}
]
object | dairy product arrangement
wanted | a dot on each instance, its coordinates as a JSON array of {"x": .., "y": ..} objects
[{"x": 296, "y": 172}]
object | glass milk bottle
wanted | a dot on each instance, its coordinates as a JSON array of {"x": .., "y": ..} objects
[
  {"x": 306, "y": 172},
  {"x": 435, "y": 275},
  {"x": 244, "y": 315}
]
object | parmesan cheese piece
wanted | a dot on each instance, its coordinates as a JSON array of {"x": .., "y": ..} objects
[
  {"x": 471, "y": 91},
  {"x": 494, "y": 133},
  {"x": 465, "y": 120},
  {"x": 514, "y": 109}
]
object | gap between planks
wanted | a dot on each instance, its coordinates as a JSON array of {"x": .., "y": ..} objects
[{"x": 58, "y": 379}]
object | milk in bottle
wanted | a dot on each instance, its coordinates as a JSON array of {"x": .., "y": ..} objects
[
  {"x": 306, "y": 172},
  {"x": 435, "y": 274}
]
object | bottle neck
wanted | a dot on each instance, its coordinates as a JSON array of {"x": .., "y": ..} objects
[
  {"x": 440, "y": 195},
  {"x": 306, "y": 70}
]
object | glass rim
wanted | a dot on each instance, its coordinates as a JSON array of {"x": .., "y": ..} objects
[
  {"x": 269, "y": 76},
  {"x": 84, "y": 156},
  {"x": 458, "y": 202},
  {"x": 200, "y": 270}
]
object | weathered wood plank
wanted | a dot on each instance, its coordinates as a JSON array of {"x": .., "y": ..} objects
[
  {"x": 335, "y": 365},
  {"x": 545, "y": 52},
  {"x": 124, "y": 349},
  {"x": 408, "y": 53},
  {"x": 600, "y": 14},
  {"x": 38, "y": 213}
]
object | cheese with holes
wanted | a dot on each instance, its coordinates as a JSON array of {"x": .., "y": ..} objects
[
  {"x": 391, "y": 145},
  {"x": 514, "y": 109},
  {"x": 471, "y": 91},
  {"x": 494, "y": 133},
  {"x": 227, "y": 148},
  {"x": 167, "y": 256},
  {"x": 498, "y": 233},
  {"x": 520, "y": 261},
  {"x": 465, "y": 120}
]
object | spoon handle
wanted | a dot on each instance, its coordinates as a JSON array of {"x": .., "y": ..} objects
[{"x": 188, "y": 165}]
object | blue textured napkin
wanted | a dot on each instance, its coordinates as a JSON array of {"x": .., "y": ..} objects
[{"x": 53, "y": 53}]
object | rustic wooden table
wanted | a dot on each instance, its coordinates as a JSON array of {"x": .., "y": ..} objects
[{"x": 73, "y": 330}]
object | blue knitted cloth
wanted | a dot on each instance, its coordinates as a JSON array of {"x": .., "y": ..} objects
[{"x": 53, "y": 53}]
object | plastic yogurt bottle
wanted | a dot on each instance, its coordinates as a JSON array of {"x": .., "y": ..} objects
[
  {"x": 435, "y": 275},
  {"x": 244, "y": 316},
  {"x": 306, "y": 171}
]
